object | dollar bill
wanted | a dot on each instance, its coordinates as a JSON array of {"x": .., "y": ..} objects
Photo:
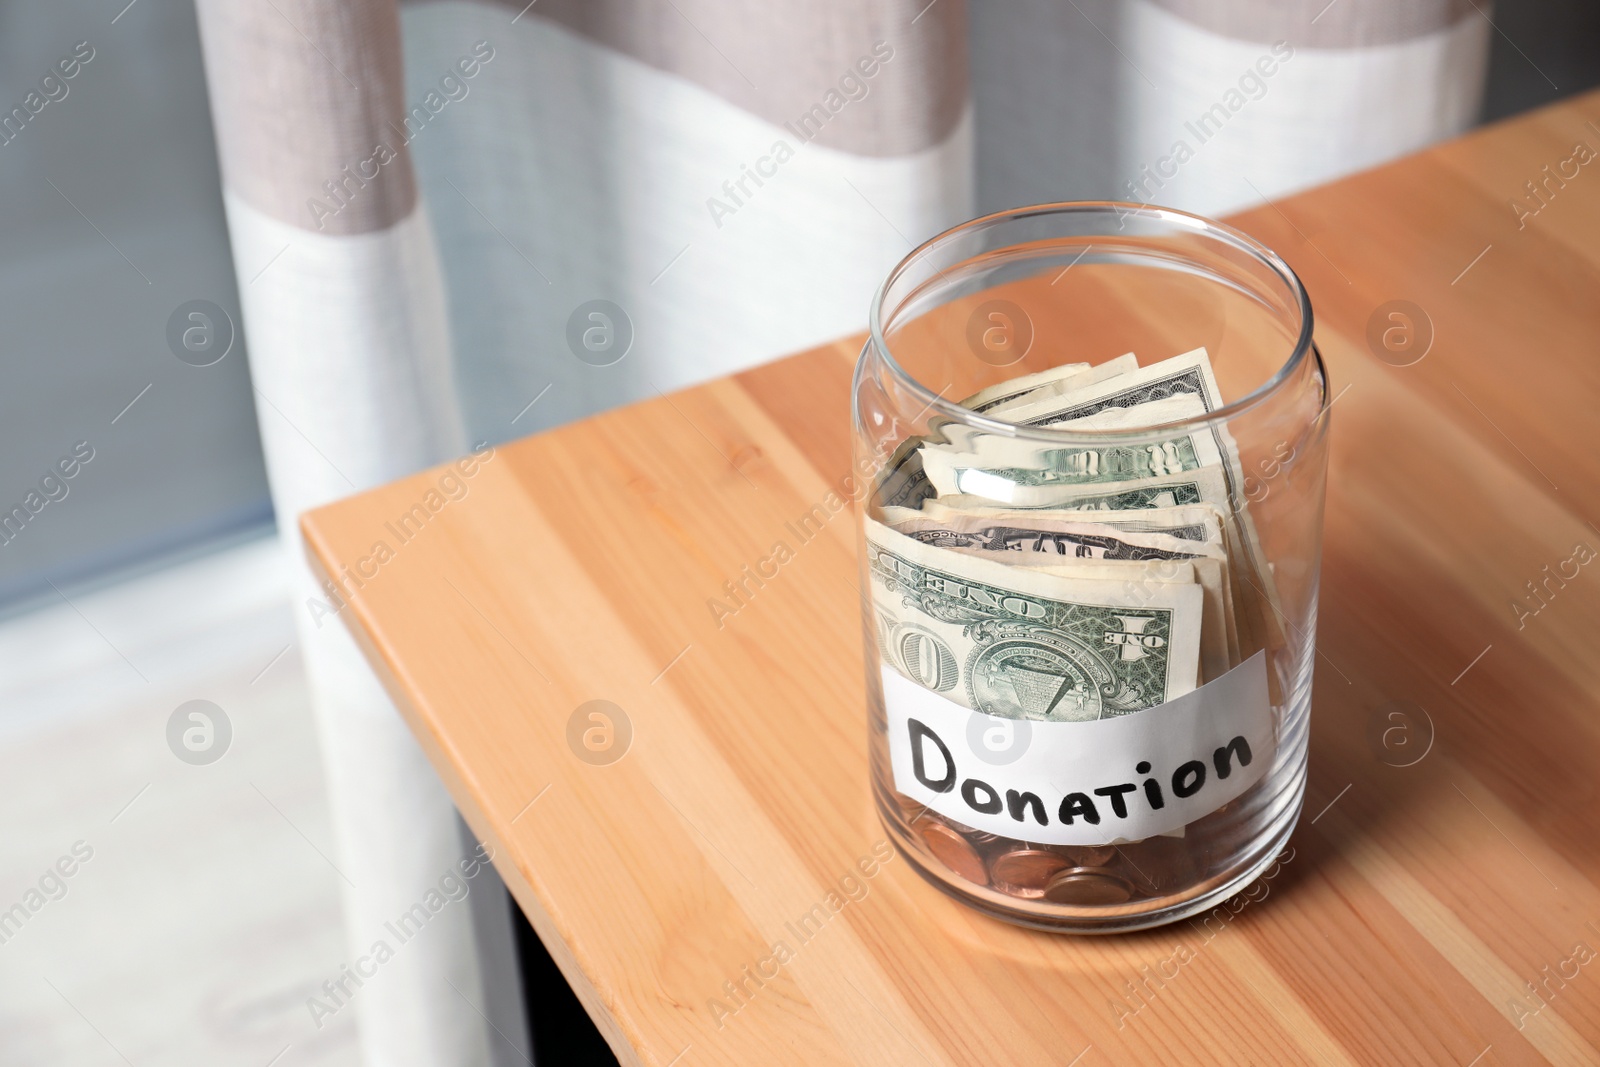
[
  {"x": 1011, "y": 469},
  {"x": 998, "y": 399},
  {"x": 1046, "y": 535},
  {"x": 984, "y": 400},
  {"x": 1253, "y": 613},
  {"x": 1018, "y": 643},
  {"x": 1218, "y": 639},
  {"x": 1194, "y": 522},
  {"x": 1186, "y": 375},
  {"x": 1043, "y": 540},
  {"x": 905, "y": 484},
  {"x": 1189, "y": 467},
  {"x": 1203, "y": 485},
  {"x": 1089, "y": 508}
]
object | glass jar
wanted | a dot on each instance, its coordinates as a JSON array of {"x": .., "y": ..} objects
[{"x": 1098, "y": 435}]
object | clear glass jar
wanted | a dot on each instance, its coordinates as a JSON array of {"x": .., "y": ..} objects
[{"x": 1090, "y": 596}]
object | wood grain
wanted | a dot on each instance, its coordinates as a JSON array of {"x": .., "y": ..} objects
[{"x": 1417, "y": 903}]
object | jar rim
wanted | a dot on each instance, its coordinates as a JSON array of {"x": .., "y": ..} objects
[{"x": 1195, "y": 224}]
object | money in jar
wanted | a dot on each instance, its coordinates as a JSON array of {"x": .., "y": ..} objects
[{"x": 1096, "y": 437}]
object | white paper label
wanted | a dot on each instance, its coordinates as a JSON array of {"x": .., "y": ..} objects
[{"x": 1082, "y": 783}]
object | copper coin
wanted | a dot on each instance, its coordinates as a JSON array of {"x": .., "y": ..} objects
[
  {"x": 1026, "y": 868},
  {"x": 1087, "y": 855},
  {"x": 953, "y": 850},
  {"x": 1088, "y": 885}
]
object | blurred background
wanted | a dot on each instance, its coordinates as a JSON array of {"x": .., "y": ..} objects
[{"x": 159, "y": 330}]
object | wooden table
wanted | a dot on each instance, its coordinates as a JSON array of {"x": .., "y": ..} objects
[{"x": 1418, "y": 902}]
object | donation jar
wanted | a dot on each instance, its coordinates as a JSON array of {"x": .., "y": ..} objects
[{"x": 1098, "y": 436}]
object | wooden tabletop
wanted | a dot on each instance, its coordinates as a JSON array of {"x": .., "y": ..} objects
[{"x": 1417, "y": 902}]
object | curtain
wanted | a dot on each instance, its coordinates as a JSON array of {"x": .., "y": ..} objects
[{"x": 464, "y": 220}]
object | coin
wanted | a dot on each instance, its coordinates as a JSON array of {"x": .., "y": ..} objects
[
  {"x": 988, "y": 845},
  {"x": 953, "y": 850},
  {"x": 1087, "y": 855},
  {"x": 1025, "y": 871},
  {"x": 1022, "y": 892},
  {"x": 1087, "y": 885}
]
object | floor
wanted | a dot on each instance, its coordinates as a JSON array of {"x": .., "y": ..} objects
[{"x": 202, "y": 888}]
